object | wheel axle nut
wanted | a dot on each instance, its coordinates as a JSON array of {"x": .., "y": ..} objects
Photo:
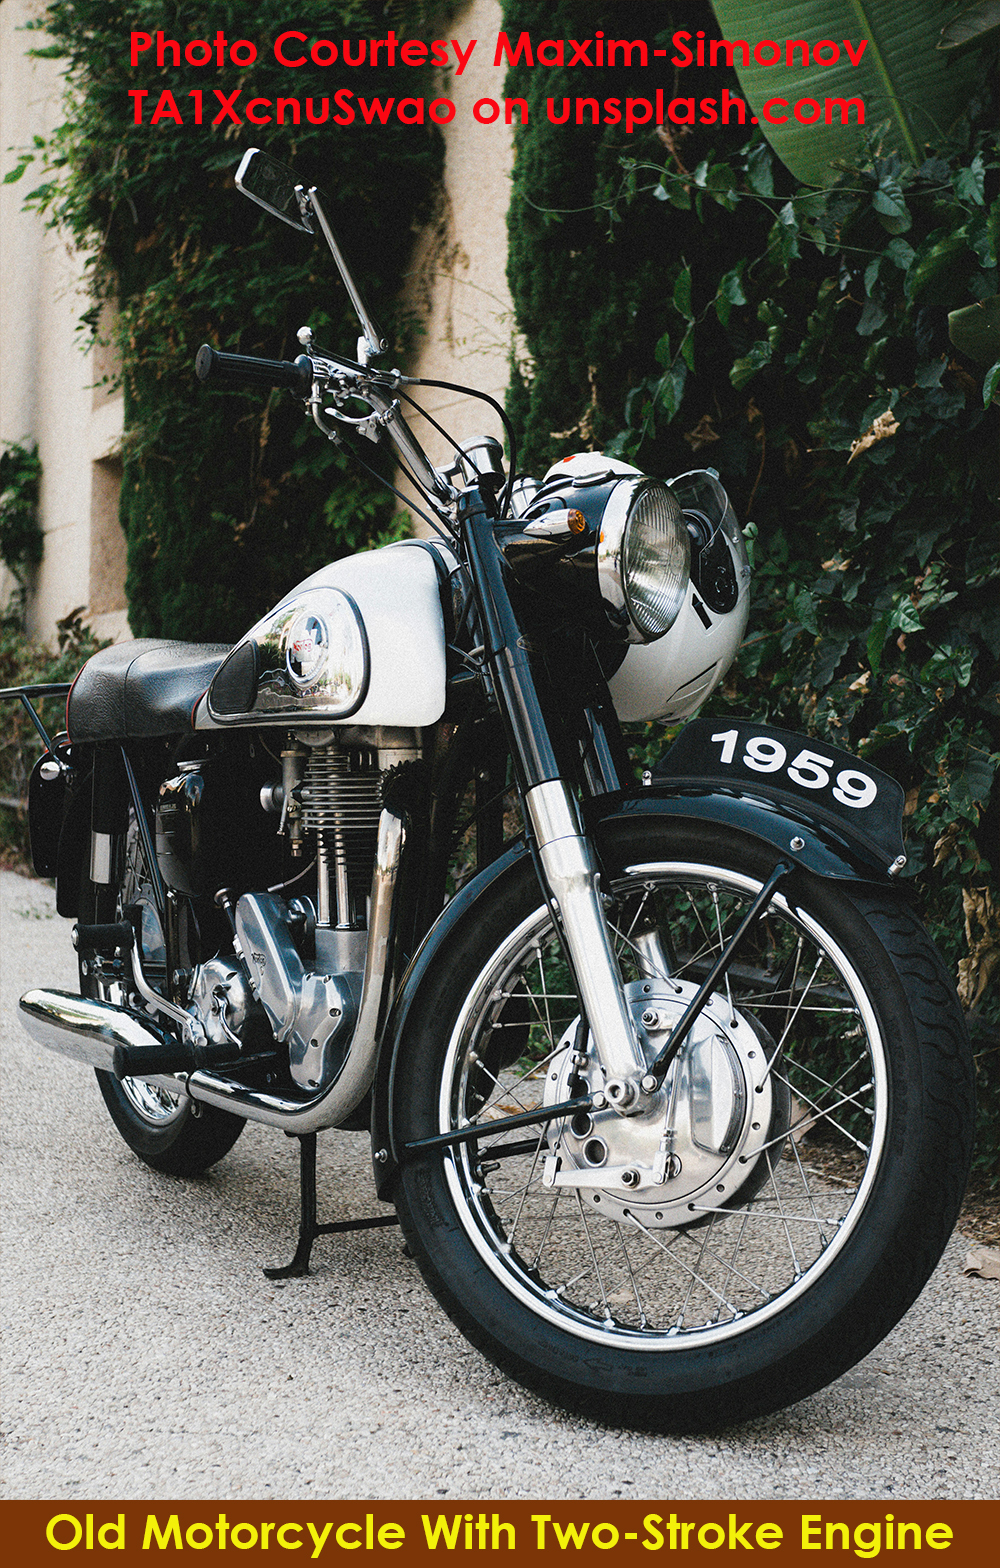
[
  {"x": 621, "y": 1093},
  {"x": 631, "y": 1178}
]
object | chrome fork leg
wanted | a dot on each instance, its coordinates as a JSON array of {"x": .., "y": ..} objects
[{"x": 572, "y": 877}]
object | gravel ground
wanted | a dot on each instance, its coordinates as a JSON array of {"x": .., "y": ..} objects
[{"x": 146, "y": 1356}]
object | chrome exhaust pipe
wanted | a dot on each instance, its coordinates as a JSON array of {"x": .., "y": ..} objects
[{"x": 98, "y": 1034}]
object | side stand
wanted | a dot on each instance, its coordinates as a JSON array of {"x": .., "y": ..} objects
[{"x": 308, "y": 1228}]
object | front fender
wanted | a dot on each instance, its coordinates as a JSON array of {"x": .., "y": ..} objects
[
  {"x": 823, "y": 845},
  {"x": 827, "y": 850},
  {"x": 840, "y": 816}
]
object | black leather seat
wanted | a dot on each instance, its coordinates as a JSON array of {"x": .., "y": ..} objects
[{"x": 141, "y": 689}]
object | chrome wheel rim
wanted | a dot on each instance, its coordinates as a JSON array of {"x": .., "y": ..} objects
[
  {"x": 155, "y": 1105},
  {"x": 620, "y": 1281}
]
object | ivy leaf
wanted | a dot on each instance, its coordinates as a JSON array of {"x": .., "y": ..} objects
[
  {"x": 872, "y": 317},
  {"x": 901, "y": 252},
  {"x": 745, "y": 369},
  {"x": 730, "y": 293},
  {"x": 13, "y": 175},
  {"x": 948, "y": 664},
  {"x": 975, "y": 330},
  {"x": 670, "y": 388},
  {"x": 673, "y": 189},
  {"x": 970, "y": 183},
  {"x": 662, "y": 353},
  {"x": 760, "y": 169},
  {"x": 682, "y": 294},
  {"x": 890, "y": 204},
  {"x": 930, "y": 373},
  {"x": 932, "y": 262},
  {"x": 828, "y": 656},
  {"x": 721, "y": 186},
  {"x": 991, "y": 386},
  {"x": 805, "y": 610}
]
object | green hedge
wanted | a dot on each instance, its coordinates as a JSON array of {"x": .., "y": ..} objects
[
  {"x": 227, "y": 498},
  {"x": 684, "y": 303}
]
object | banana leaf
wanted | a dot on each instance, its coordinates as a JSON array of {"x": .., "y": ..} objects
[
  {"x": 972, "y": 25},
  {"x": 912, "y": 92}
]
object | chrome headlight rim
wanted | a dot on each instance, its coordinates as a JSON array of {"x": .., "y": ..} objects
[{"x": 618, "y": 518}]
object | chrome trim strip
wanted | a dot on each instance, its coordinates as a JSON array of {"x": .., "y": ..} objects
[{"x": 100, "y": 858}]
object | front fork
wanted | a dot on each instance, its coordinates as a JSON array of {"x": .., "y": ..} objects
[
  {"x": 564, "y": 855},
  {"x": 570, "y": 871}
]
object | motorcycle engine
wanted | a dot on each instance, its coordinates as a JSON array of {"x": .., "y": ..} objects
[{"x": 297, "y": 975}]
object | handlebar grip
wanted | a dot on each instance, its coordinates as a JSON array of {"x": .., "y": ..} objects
[{"x": 293, "y": 375}]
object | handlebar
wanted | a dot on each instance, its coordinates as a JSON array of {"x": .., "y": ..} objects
[
  {"x": 292, "y": 375},
  {"x": 299, "y": 375}
]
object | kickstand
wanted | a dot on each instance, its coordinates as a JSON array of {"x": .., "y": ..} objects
[{"x": 308, "y": 1228}]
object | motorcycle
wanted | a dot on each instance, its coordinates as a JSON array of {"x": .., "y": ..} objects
[{"x": 670, "y": 1091}]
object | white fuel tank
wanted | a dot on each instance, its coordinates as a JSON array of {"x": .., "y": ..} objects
[{"x": 361, "y": 641}]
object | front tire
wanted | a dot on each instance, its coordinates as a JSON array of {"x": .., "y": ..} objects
[{"x": 813, "y": 1139}]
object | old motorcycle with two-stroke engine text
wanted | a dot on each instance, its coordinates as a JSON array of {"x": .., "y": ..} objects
[{"x": 672, "y": 1094}]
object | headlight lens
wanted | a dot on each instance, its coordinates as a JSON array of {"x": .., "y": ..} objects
[{"x": 655, "y": 560}]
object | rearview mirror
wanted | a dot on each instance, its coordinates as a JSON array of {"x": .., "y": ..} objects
[{"x": 275, "y": 188}]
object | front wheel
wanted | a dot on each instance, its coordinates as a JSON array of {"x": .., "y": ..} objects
[{"x": 769, "y": 1214}]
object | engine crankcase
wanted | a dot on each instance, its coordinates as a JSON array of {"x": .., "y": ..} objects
[{"x": 314, "y": 1013}]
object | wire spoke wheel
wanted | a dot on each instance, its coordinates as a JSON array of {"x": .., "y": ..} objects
[
  {"x": 164, "y": 1129},
  {"x": 677, "y": 1245},
  {"x": 752, "y": 1203}
]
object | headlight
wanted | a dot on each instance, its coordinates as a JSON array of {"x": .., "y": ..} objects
[{"x": 644, "y": 556}]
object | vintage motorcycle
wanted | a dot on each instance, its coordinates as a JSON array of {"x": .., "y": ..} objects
[{"x": 670, "y": 1090}]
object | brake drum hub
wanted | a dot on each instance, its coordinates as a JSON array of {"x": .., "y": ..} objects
[{"x": 697, "y": 1141}]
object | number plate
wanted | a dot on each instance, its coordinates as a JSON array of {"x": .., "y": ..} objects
[{"x": 774, "y": 761}]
